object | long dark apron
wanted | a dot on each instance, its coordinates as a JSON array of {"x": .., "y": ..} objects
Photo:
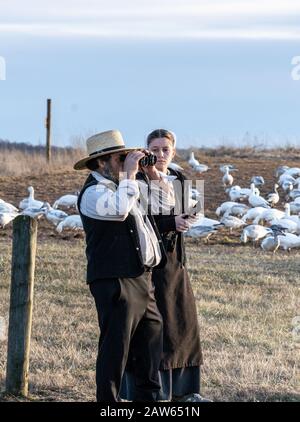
[
  {"x": 182, "y": 355},
  {"x": 176, "y": 303}
]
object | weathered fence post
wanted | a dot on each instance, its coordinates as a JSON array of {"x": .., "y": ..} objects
[
  {"x": 48, "y": 131},
  {"x": 21, "y": 303}
]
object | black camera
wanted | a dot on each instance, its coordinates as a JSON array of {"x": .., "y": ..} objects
[{"x": 149, "y": 159}]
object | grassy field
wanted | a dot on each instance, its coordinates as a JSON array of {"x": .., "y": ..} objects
[{"x": 246, "y": 301}]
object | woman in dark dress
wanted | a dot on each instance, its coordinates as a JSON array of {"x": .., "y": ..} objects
[{"x": 182, "y": 356}]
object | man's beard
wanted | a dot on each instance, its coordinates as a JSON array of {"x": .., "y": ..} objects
[{"x": 109, "y": 174}]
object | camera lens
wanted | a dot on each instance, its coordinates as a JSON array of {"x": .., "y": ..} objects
[
  {"x": 149, "y": 160},
  {"x": 152, "y": 160}
]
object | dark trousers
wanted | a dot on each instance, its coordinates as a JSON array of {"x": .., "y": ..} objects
[{"x": 128, "y": 318}]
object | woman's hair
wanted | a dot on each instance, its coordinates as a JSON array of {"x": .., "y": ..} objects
[
  {"x": 94, "y": 165},
  {"x": 161, "y": 133}
]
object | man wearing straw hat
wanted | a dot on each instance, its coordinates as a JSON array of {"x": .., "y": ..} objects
[{"x": 122, "y": 245}]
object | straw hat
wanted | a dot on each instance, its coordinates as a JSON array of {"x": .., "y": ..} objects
[{"x": 102, "y": 144}]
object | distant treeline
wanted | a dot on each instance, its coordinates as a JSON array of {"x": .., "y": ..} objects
[{"x": 25, "y": 147}]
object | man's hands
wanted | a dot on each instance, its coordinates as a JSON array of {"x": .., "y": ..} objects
[
  {"x": 151, "y": 171},
  {"x": 131, "y": 164},
  {"x": 184, "y": 221}
]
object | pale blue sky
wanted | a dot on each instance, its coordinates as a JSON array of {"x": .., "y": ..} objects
[{"x": 208, "y": 70}]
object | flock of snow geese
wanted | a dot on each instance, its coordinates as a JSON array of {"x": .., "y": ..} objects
[
  {"x": 36, "y": 209},
  {"x": 258, "y": 218}
]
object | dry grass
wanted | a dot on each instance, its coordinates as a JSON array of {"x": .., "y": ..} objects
[
  {"x": 246, "y": 301},
  {"x": 22, "y": 163}
]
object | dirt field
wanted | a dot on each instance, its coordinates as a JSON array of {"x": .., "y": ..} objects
[{"x": 50, "y": 186}]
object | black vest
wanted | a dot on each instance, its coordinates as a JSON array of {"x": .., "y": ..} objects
[
  {"x": 173, "y": 238},
  {"x": 113, "y": 249}
]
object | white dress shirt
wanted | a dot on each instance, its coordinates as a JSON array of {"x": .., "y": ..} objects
[{"x": 107, "y": 201}]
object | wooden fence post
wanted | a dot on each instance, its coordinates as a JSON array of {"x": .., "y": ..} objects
[
  {"x": 21, "y": 303},
  {"x": 48, "y": 131}
]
